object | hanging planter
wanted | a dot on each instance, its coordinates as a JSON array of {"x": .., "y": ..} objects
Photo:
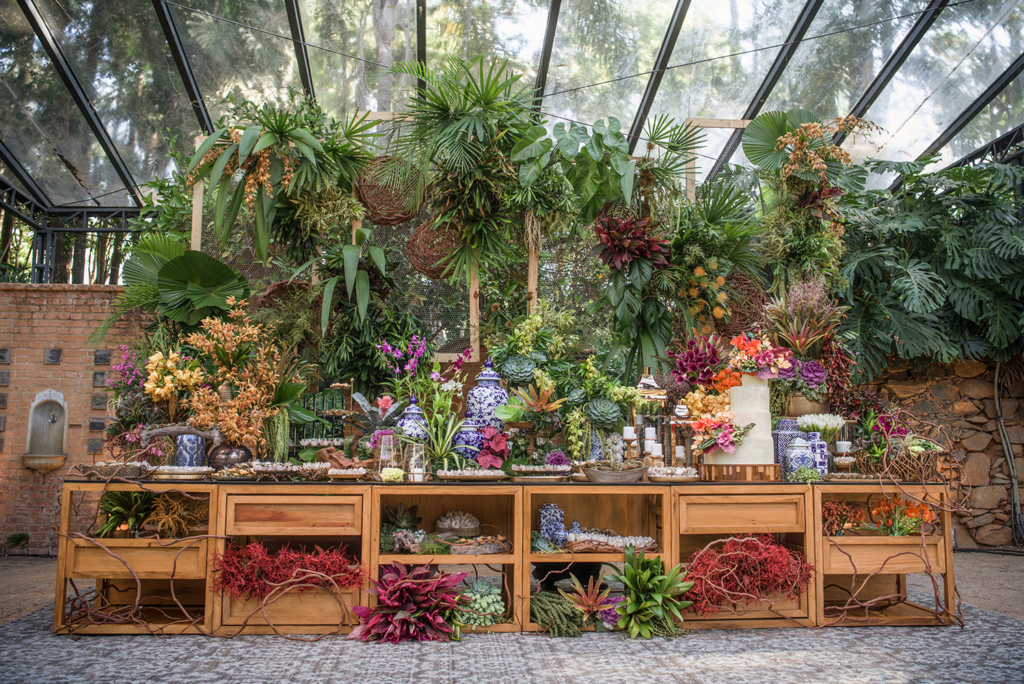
[
  {"x": 385, "y": 205},
  {"x": 429, "y": 244}
]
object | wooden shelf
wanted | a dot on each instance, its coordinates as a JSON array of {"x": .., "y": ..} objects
[
  {"x": 449, "y": 559},
  {"x": 586, "y": 557}
]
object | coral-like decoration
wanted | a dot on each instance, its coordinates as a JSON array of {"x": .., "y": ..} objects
[
  {"x": 746, "y": 569},
  {"x": 251, "y": 572}
]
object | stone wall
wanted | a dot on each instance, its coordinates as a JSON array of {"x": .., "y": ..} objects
[
  {"x": 961, "y": 396},
  {"x": 35, "y": 320}
]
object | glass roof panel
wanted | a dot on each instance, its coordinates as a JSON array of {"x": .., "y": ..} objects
[
  {"x": 121, "y": 58},
  {"x": 43, "y": 128},
  {"x": 238, "y": 48},
  {"x": 1002, "y": 115},
  {"x": 601, "y": 40},
  {"x": 503, "y": 29},
  {"x": 844, "y": 49},
  {"x": 6, "y": 174},
  {"x": 355, "y": 80},
  {"x": 966, "y": 49},
  {"x": 722, "y": 56}
]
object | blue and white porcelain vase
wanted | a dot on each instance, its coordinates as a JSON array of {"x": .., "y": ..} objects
[
  {"x": 468, "y": 441},
  {"x": 412, "y": 424},
  {"x": 786, "y": 430},
  {"x": 820, "y": 451},
  {"x": 595, "y": 448},
  {"x": 559, "y": 536},
  {"x": 576, "y": 528},
  {"x": 552, "y": 523},
  {"x": 799, "y": 455},
  {"x": 189, "y": 451},
  {"x": 488, "y": 395}
]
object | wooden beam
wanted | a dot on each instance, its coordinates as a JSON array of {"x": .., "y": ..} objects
[{"x": 197, "y": 208}]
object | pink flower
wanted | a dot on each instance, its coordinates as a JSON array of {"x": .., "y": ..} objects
[
  {"x": 725, "y": 442},
  {"x": 385, "y": 402},
  {"x": 435, "y": 376}
]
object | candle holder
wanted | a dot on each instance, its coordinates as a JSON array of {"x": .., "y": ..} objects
[
  {"x": 632, "y": 453},
  {"x": 390, "y": 455},
  {"x": 417, "y": 465}
]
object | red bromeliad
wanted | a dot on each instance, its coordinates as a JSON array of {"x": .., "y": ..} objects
[
  {"x": 414, "y": 604},
  {"x": 624, "y": 240}
]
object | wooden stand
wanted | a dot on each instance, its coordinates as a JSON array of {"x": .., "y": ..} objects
[{"x": 682, "y": 518}]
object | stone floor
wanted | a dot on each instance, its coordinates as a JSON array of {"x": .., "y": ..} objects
[{"x": 986, "y": 650}]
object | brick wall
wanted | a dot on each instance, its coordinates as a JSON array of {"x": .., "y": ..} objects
[
  {"x": 33, "y": 320},
  {"x": 961, "y": 397}
]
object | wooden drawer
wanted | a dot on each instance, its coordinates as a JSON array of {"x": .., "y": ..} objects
[
  {"x": 780, "y": 608},
  {"x": 888, "y": 555},
  {"x": 739, "y": 513},
  {"x": 146, "y": 557},
  {"x": 156, "y": 592},
  {"x": 309, "y": 608},
  {"x": 294, "y": 515}
]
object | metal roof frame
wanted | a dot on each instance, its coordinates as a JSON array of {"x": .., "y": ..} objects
[
  {"x": 973, "y": 109},
  {"x": 67, "y": 75},
  {"x": 13, "y": 164},
  {"x": 668, "y": 46},
  {"x": 188, "y": 78},
  {"x": 299, "y": 43},
  {"x": 895, "y": 62},
  {"x": 1004, "y": 148},
  {"x": 789, "y": 48},
  {"x": 545, "y": 53}
]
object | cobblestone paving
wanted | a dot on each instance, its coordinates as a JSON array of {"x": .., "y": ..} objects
[{"x": 987, "y": 650}]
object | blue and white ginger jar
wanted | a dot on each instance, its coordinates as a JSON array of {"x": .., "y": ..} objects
[
  {"x": 799, "y": 455},
  {"x": 468, "y": 441},
  {"x": 189, "y": 451},
  {"x": 552, "y": 523},
  {"x": 488, "y": 395},
  {"x": 412, "y": 424},
  {"x": 820, "y": 451}
]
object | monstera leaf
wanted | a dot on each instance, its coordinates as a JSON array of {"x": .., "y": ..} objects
[{"x": 194, "y": 285}]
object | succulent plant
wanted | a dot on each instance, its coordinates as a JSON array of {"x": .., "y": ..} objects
[
  {"x": 485, "y": 604},
  {"x": 387, "y": 537},
  {"x": 604, "y": 414},
  {"x": 402, "y": 518},
  {"x": 577, "y": 397},
  {"x": 518, "y": 369}
]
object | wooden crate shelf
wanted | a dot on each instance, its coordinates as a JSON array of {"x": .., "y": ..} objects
[{"x": 682, "y": 518}]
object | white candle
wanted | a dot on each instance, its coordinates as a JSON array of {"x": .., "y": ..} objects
[
  {"x": 680, "y": 452},
  {"x": 417, "y": 474},
  {"x": 647, "y": 445},
  {"x": 842, "y": 447},
  {"x": 650, "y": 433},
  {"x": 656, "y": 449},
  {"x": 629, "y": 432}
]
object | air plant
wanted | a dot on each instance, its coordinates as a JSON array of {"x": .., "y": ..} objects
[
  {"x": 651, "y": 594},
  {"x": 415, "y": 603}
]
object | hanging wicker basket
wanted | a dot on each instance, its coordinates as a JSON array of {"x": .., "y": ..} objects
[
  {"x": 428, "y": 245},
  {"x": 747, "y": 302},
  {"x": 385, "y": 206}
]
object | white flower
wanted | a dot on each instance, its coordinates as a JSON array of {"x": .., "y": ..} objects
[{"x": 452, "y": 386}]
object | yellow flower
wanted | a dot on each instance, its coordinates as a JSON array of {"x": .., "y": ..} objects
[
  {"x": 720, "y": 280},
  {"x": 699, "y": 272},
  {"x": 156, "y": 358},
  {"x": 707, "y": 329},
  {"x": 713, "y": 265},
  {"x": 717, "y": 312},
  {"x": 722, "y": 297},
  {"x": 694, "y": 292}
]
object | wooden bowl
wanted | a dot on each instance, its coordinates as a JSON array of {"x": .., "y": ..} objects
[{"x": 634, "y": 475}]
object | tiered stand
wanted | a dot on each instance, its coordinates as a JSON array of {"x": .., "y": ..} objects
[{"x": 682, "y": 518}]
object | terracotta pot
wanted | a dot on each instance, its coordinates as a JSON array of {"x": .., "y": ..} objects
[
  {"x": 227, "y": 455},
  {"x": 800, "y": 405}
]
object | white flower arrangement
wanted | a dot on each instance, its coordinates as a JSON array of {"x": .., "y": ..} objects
[
  {"x": 184, "y": 469},
  {"x": 347, "y": 471},
  {"x": 828, "y": 424},
  {"x": 541, "y": 469}
]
